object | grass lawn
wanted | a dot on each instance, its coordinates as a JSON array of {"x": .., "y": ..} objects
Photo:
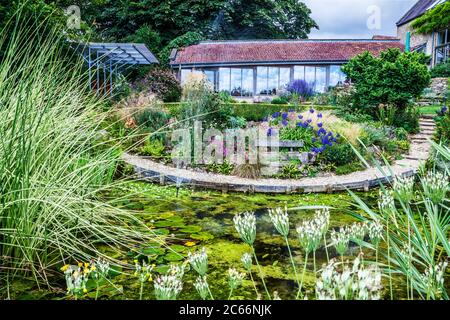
[{"x": 430, "y": 109}]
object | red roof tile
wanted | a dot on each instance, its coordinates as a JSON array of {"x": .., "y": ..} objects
[{"x": 219, "y": 52}]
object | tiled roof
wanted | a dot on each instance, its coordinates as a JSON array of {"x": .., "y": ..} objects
[
  {"x": 259, "y": 51},
  {"x": 416, "y": 11}
]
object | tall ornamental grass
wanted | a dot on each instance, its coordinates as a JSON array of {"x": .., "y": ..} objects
[{"x": 53, "y": 163}]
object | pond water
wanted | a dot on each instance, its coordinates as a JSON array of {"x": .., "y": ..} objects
[
  {"x": 205, "y": 219},
  {"x": 197, "y": 219}
]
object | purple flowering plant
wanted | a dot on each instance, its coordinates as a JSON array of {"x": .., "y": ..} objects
[{"x": 294, "y": 126}]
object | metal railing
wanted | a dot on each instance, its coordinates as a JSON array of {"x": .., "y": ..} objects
[{"x": 442, "y": 53}]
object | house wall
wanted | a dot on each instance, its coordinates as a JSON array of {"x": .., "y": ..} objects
[{"x": 418, "y": 39}]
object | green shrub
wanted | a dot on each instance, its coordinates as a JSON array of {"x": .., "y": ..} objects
[
  {"x": 441, "y": 71},
  {"x": 352, "y": 116},
  {"x": 152, "y": 121},
  {"x": 279, "y": 100},
  {"x": 377, "y": 135},
  {"x": 153, "y": 147},
  {"x": 339, "y": 154},
  {"x": 221, "y": 168},
  {"x": 162, "y": 83},
  {"x": 393, "y": 78},
  {"x": 443, "y": 128},
  {"x": 259, "y": 111},
  {"x": 299, "y": 134},
  {"x": 408, "y": 120},
  {"x": 401, "y": 134},
  {"x": 290, "y": 171},
  {"x": 201, "y": 103},
  {"x": 348, "y": 168},
  {"x": 403, "y": 145}
]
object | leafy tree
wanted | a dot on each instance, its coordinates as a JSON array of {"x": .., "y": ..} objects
[
  {"x": 146, "y": 35},
  {"x": 434, "y": 20},
  {"x": 187, "y": 39},
  {"x": 289, "y": 19},
  {"x": 393, "y": 78},
  {"x": 217, "y": 19}
]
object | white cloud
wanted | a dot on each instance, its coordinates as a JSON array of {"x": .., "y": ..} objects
[{"x": 348, "y": 18}]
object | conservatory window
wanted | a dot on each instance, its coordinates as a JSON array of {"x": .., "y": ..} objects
[
  {"x": 285, "y": 77},
  {"x": 247, "y": 82},
  {"x": 270, "y": 79},
  {"x": 336, "y": 75},
  {"x": 310, "y": 75},
  {"x": 236, "y": 81},
  {"x": 321, "y": 79},
  {"x": 299, "y": 73},
  {"x": 210, "y": 76},
  {"x": 224, "y": 79}
]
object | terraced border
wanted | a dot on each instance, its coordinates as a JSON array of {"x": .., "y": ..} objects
[{"x": 361, "y": 180}]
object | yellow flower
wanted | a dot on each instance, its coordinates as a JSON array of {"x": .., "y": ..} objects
[
  {"x": 86, "y": 264},
  {"x": 93, "y": 268},
  {"x": 189, "y": 244},
  {"x": 150, "y": 279},
  {"x": 64, "y": 268},
  {"x": 84, "y": 290},
  {"x": 80, "y": 264}
]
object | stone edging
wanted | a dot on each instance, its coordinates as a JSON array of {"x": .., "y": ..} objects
[{"x": 360, "y": 180}]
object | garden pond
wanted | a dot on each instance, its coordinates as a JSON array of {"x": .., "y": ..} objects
[{"x": 196, "y": 219}]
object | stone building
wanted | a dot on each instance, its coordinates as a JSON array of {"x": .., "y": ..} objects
[{"x": 435, "y": 44}]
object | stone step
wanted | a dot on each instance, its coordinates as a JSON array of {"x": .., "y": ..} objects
[
  {"x": 431, "y": 125},
  {"x": 426, "y": 121},
  {"x": 427, "y": 116}
]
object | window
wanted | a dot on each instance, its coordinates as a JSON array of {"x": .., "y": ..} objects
[
  {"x": 310, "y": 75},
  {"x": 184, "y": 75},
  {"x": 224, "y": 79},
  {"x": 299, "y": 73},
  {"x": 247, "y": 82},
  {"x": 443, "y": 37},
  {"x": 321, "y": 79},
  {"x": 336, "y": 76},
  {"x": 271, "y": 79},
  {"x": 285, "y": 77},
  {"x": 210, "y": 76},
  {"x": 236, "y": 81}
]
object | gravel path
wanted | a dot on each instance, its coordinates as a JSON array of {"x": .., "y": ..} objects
[{"x": 360, "y": 180}]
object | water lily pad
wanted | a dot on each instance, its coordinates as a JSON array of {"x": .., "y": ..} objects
[
  {"x": 204, "y": 236},
  {"x": 161, "y": 232},
  {"x": 172, "y": 256},
  {"x": 191, "y": 229},
  {"x": 153, "y": 251},
  {"x": 169, "y": 223},
  {"x": 178, "y": 248}
]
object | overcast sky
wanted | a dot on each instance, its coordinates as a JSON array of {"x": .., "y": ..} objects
[{"x": 339, "y": 19}]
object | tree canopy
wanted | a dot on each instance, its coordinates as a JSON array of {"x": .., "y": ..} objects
[
  {"x": 164, "y": 25},
  {"x": 436, "y": 19}
]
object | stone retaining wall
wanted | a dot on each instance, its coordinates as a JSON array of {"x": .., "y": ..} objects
[{"x": 361, "y": 180}]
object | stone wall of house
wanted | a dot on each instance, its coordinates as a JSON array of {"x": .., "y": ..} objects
[{"x": 416, "y": 38}]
